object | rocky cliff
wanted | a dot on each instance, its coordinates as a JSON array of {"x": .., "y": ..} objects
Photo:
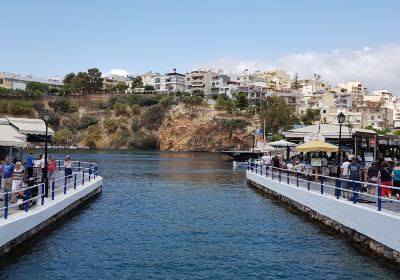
[{"x": 188, "y": 129}]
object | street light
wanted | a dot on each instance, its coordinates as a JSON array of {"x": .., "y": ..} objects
[
  {"x": 350, "y": 127},
  {"x": 340, "y": 118},
  {"x": 46, "y": 118}
]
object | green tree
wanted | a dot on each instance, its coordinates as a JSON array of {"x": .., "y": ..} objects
[
  {"x": 120, "y": 86},
  {"x": 224, "y": 103},
  {"x": 165, "y": 101},
  {"x": 148, "y": 88},
  {"x": 62, "y": 137},
  {"x": 95, "y": 80},
  {"x": 277, "y": 114},
  {"x": 137, "y": 82},
  {"x": 296, "y": 84},
  {"x": 309, "y": 117},
  {"x": 241, "y": 101},
  {"x": 37, "y": 87}
]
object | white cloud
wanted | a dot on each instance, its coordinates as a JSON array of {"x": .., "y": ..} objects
[
  {"x": 119, "y": 72},
  {"x": 378, "y": 67}
]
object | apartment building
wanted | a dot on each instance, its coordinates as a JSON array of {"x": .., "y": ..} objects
[
  {"x": 199, "y": 82},
  {"x": 16, "y": 81},
  {"x": 148, "y": 78},
  {"x": 169, "y": 82}
]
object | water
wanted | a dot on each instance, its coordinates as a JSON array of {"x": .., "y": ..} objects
[{"x": 186, "y": 216}]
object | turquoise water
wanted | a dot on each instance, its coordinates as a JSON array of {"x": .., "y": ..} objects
[{"x": 186, "y": 216}]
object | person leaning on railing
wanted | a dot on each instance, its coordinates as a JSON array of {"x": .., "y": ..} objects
[
  {"x": 68, "y": 165},
  {"x": 385, "y": 179}
]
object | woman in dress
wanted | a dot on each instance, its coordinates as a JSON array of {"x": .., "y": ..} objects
[{"x": 17, "y": 180}]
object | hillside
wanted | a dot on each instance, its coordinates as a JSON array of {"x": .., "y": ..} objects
[{"x": 141, "y": 122}]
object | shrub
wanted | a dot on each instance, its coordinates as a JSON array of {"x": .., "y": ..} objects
[
  {"x": 121, "y": 140},
  {"x": 111, "y": 125},
  {"x": 143, "y": 141},
  {"x": 39, "y": 106},
  {"x": 62, "y": 136},
  {"x": 63, "y": 105},
  {"x": 93, "y": 134},
  {"x": 18, "y": 107},
  {"x": 135, "y": 125},
  {"x": 165, "y": 101},
  {"x": 120, "y": 109},
  {"x": 153, "y": 116},
  {"x": 86, "y": 121},
  {"x": 135, "y": 109}
]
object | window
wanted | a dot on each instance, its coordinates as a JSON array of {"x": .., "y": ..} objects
[
  {"x": 324, "y": 111},
  {"x": 372, "y": 117},
  {"x": 1, "y": 81},
  {"x": 379, "y": 116},
  {"x": 188, "y": 79}
]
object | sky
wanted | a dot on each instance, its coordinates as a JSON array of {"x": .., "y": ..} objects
[{"x": 341, "y": 40}]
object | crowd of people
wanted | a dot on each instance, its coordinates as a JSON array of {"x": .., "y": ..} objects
[
  {"x": 357, "y": 175},
  {"x": 15, "y": 176}
]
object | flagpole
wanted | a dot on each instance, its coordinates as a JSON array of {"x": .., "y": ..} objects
[{"x": 264, "y": 130}]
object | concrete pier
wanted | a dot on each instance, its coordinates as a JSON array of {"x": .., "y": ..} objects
[
  {"x": 21, "y": 225},
  {"x": 377, "y": 231}
]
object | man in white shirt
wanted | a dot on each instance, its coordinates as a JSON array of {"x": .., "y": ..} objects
[
  {"x": 344, "y": 171},
  {"x": 267, "y": 159}
]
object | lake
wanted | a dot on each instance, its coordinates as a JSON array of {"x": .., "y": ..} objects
[{"x": 165, "y": 215}]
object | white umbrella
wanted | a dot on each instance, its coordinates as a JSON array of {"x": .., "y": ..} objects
[{"x": 282, "y": 144}]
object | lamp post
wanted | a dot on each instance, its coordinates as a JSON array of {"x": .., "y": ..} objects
[
  {"x": 350, "y": 127},
  {"x": 46, "y": 118},
  {"x": 340, "y": 118}
]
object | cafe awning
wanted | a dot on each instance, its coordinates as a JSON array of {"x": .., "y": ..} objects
[
  {"x": 316, "y": 146},
  {"x": 9, "y": 135},
  {"x": 282, "y": 144}
]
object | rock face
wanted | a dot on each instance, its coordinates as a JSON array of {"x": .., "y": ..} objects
[{"x": 188, "y": 129}]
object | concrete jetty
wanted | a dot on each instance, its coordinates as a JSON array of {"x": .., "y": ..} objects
[
  {"x": 17, "y": 226},
  {"x": 364, "y": 220}
]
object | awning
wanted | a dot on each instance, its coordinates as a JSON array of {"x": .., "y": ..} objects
[
  {"x": 30, "y": 126},
  {"x": 317, "y": 146},
  {"x": 10, "y": 137}
]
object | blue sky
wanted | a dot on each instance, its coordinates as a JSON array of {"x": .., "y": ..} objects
[{"x": 48, "y": 38}]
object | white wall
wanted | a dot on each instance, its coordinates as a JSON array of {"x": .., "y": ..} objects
[
  {"x": 21, "y": 222},
  {"x": 380, "y": 226}
]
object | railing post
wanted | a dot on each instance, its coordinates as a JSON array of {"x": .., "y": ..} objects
[
  {"x": 75, "y": 181},
  {"x": 79, "y": 166},
  {"x": 287, "y": 176},
  {"x": 322, "y": 184},
  {"x": 266, "y": 170},
  {"x": 6, "y": 205},
  {"x": 42, "y": 196},
  {"x": 280, "y": 174},
  {"x": 353, "y": 186},
  {"x": 260, "y": 170},
  {"x": 83, "y": 177},
  {"x": 65, "y": 185},
  {"x": 90, "y": 172},
  {"x": 59, "y": 165},
  {"x": 273, "y": 173},
  {"x": 248, "y": 165},
  {"x": 53, "y": 186},
  {"x": 379, "y": 198},
  {"x": 338, "y": 185},
  {"x": 26, "y": 200},
  {"x": 308, "y": 184},
  {"x": 256, "y": 168},
  {"x": 91, "y": 169},
  {"x": 297, "y": 178}
]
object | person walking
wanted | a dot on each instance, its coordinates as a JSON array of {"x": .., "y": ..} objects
[
  {"x": 396, "y": 181},
  {"x": 372, "y": 178},
  {"x": 68, "y": 168},
  {"x": 355, "y": 176},
  {"x": 29, "y": 165},
  {"x": 7, "y": 170},
  {"x": 385, "y": 179},
  {"x": 17, "y": 180},
  {"x": 52, "y": 168}
]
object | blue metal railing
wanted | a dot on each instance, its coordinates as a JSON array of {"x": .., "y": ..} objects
[
  {"x": 330, "y": 186},
  {"x": 29, "y": 196}
]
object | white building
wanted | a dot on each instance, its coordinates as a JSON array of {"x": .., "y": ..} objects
[{"x": 169, "y": 82}]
